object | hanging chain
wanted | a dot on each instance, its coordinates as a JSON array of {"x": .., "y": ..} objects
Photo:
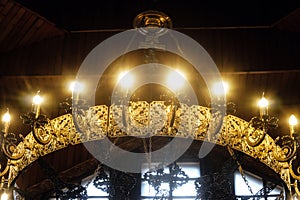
[
  {"x": 148, "y": 150},
  {"x": 245, "y": 179},
  {"x": 240, "y": 169},
  {"x": 94, "y": 175}
]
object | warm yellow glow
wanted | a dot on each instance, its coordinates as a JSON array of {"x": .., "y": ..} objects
[
  {"x": 4, "y": 196},
  {"x": 125, "y": 79},
  {"x": 175, "y": 80},
  {"x": 76, "y": 86},
  {"x": 293, "y": 120},
  {"x": 220, "y": 88},
  {"x": 263, "y": 103},
  {"x": 6, "y": 117},
  {"x": 37, "y": 99}
]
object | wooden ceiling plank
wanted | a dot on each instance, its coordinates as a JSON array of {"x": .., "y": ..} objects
[
  {"x": 18, "y": 31},
  {"x": 30, "y": 37},
  {"x": 35, "y": 37},
  {"x": 27, "y": 29},
  {"x": 6, "y": 23},
  {"x": 24, "y": 29},
  {"x": 7, "y": 7},
  {"x": 10, "y": 30}
]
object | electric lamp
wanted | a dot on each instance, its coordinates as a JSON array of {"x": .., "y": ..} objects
[{"x": 37, "y": 101}]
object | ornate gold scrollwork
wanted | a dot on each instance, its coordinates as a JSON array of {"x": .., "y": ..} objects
[
  {"x": 295, "y": 173},
  {"x": 39, "y": 127},
  {"x": 41, "y": 134},
  {"x": 258, "y": 127},
  {"x": 143, "y": 118},
  {"x": 286, "y": 148},
  {"x": 255, "y": 132},
  {"x": 10, "y": 148},
  {"x": 254, "y": 136}
]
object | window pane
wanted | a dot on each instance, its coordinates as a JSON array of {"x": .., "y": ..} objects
[
  {"x": 277, "y": 191},
  {"x": 240, "y": 186},
  {"x": 93, "y": 191},
  {"x": 187, "y": 189},
  {"x": 191, "y": 169}
]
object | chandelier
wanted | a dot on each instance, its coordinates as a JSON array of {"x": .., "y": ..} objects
[{"x": 166, "y": 117}]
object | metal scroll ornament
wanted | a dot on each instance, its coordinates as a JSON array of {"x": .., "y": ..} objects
[
  {"x": 9, "y": 146},
  {"x": 39, "y": 128},
  {"x": 258, "y": 128},
  {"x": 286, "y": 148}
]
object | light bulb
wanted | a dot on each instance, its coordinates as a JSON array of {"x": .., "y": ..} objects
[
  {"x": 37, "y": 99},
  {"x": 293, "y": 120},
  {"x": 76, "y": 86},
  {"x": 263, "y": 106},
  {"x": 6, "y": 117},
  {"x": 4, "y": 196},
  {"x": 263, "y": 103}
]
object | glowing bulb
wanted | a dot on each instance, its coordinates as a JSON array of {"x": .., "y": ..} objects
[
  {"x": 37, "y": 99},
  {"x": 4, "y": 196},
  {"x": 6, "y": 117},
  {"x": 125, "y": 79},
  {"x": 6, "y": 120},
  {"x": 175, "y": 80},
  {"x": 263, "y": 106},
  {"x": 293, "y": 120},
  {"x": 76, "y": 86},
  {"x": 263, "y": 103},
  {"x": 220, "y": 88}
]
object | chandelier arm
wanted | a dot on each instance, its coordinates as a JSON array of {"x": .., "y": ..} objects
[{"x": 287, "y": 151}]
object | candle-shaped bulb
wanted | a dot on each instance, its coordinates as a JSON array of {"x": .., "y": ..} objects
[
  {"x": 263, "y": 106},
  {"x": 37, "y": 101},
  {"x": 6, "y": 120},
  {"x": 292, "y": 122},
  {"x": 4, "y": 196}
]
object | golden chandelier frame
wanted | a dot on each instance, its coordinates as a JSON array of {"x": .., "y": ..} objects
[{"x": 141, "y": 118}]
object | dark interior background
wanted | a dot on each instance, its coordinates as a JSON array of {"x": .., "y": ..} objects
[{"x": 254, "y": 43}]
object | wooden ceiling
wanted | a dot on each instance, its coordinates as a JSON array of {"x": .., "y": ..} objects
[
  {"x": 19, "y": 26},
  {"x": 255, "y": 45}
]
